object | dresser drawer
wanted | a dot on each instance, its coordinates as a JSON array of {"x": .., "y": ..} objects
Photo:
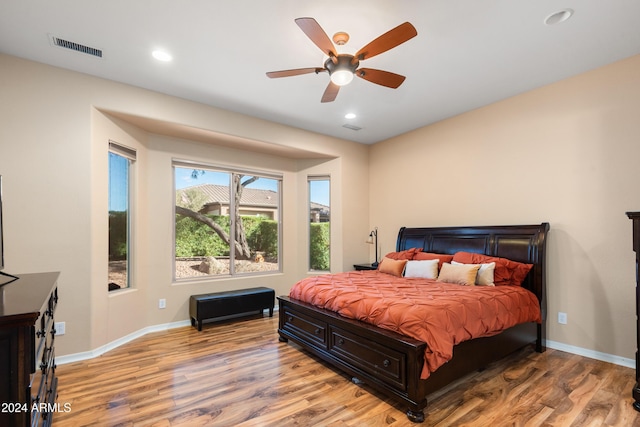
[
  {"x": 377, "y": 360},
  {"x": 312, "y": 330}
]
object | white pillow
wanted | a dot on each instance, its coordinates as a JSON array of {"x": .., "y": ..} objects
[
  {"x": 485, "y": 273},
  {"x": 427, "y": 269}
]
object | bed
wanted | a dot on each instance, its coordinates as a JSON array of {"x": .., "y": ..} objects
[{"x": 392, "y": 363}]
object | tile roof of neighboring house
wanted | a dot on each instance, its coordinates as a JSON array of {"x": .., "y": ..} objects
[
  {"x": 250, "y": 196},
  {"x": 319, "y": 206},
  {"x": 220, "y": 194}
]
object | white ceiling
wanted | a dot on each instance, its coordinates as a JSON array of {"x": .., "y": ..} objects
[{"x": 468, "y": 53}]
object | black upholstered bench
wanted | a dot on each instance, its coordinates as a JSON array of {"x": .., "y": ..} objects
[{"x": 230, "y": 303}]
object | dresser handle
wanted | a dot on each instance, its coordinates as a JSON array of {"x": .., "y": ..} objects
[
  {"x": 386, "y": 363},
  {"x": 340, "y": 341},
  {"x": 290, "y": 319},
  {"x": 318, "y": 331}
]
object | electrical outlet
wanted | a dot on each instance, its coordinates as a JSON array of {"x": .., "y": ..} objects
[
  {"x": 162, "y": 303},
  {"x": 562, "y": 318},
  {"x": 59, "y": 327}
]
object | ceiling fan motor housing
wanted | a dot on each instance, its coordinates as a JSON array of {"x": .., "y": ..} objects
[{"x": 342, "y": 62}]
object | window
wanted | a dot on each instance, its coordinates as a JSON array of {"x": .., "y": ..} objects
[
  {"x": 121, "y": 161},
  {"x": 227, "y": 222},
  {"x": 319, "y": 223}
]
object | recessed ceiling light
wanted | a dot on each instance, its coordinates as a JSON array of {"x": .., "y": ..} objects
[
  {"x": 350, "y": 116},
  {"x": 161, "y": 55},
  {"x": 558, "y": 17}
]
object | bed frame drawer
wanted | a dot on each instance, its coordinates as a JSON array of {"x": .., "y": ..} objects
[
  {"x": 312, "y": 330},
  {"x": 382, "y": 362}
]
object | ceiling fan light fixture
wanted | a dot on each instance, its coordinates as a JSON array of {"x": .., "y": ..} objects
[
  {"x": 342, "y": 77},
  {"x": 341, "y": 68}
]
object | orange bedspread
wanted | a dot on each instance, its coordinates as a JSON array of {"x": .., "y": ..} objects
[{"x": 439, "y": 314}]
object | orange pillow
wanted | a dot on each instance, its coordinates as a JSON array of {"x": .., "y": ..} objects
[
  {"x": 507, "y": 272},
  {"x": 392, "y": 266},
  {"x": 425, "y": 256},
  {"x": 407, "y": 254}
]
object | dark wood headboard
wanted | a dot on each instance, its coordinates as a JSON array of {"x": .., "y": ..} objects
[{"x": 522, "y": 243}]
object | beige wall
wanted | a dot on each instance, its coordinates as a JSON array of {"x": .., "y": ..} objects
[
  {"x": 54, "y": 131},
  {"x": 567, "y": 154}
]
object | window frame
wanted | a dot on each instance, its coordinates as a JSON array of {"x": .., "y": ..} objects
[
  {"x": 311, "y": 178},
  {"x": 130, "y": 155},
  {"x": 231, "y": 170}
]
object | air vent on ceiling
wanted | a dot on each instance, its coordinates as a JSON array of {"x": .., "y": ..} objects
[
  {"x": 352, "y": 127},
  {"x": 56, "y": 41}
]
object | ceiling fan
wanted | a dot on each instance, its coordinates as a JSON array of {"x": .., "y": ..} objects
[{"x": 342, "y": 67}]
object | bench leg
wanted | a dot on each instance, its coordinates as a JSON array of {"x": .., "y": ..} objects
[{"x": 271, "y": 312}]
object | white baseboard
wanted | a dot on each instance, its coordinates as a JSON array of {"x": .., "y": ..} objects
[
  {"x": 76, "y": 357},
  {"x": 61, "y": 360},
  {"x": 85, "y": 355},
  {"x": 592, "y": 354}
]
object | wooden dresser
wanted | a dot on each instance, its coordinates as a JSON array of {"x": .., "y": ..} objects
[
  {"x": 27, "y": 357},
  {"x": 635, "y": 217}
]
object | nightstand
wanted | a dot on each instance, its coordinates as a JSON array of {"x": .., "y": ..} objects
[{"x": 360, "y": 267}]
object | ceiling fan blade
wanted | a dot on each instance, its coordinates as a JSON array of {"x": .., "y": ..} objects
[
  {"x": 330, "y": 92},
  {"x": 388, "y": 40},
  {"x": 314, "y": 31},
  {"x": 295, "y": 72},
  {"x": 379, "y": 77}
]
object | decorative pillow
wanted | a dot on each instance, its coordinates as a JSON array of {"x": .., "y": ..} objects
[
  {"x": 428, "y": 255},
  {"x": 392, "y": 266},
  {"x": 425, "y": 269},
  {"x": 507, "y": 272},
  {"x": 485, "y": 273},
  {"x": 460, "y": 274},
  {"x": 407, "y": 254}
]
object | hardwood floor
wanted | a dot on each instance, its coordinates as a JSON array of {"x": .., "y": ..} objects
[{"x": 239, "y": 374}]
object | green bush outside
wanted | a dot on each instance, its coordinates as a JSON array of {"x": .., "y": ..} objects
[
  {"x": 117, "y": 236},
  {"x": 319, "y": 247},
  {"x": 262, "y": 235},
  {"x": 194, "y": 239}
]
